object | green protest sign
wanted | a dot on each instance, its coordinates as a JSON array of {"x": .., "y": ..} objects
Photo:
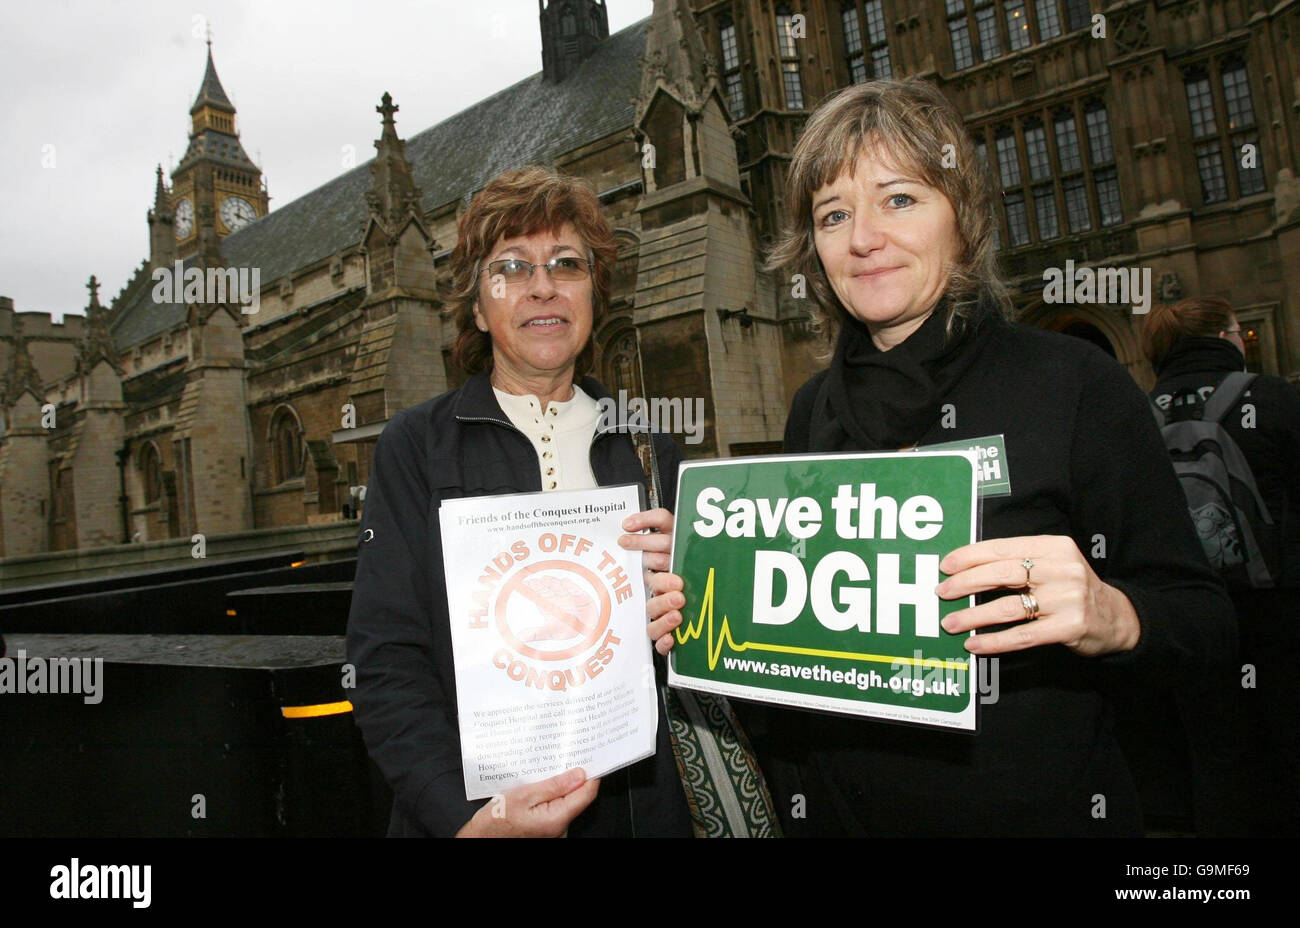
[{"x": 809, "y": 582}]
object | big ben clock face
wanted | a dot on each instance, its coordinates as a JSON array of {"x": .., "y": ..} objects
[
  {"x": 184, "y": 219},
  {"x": 236, "y": 212}
]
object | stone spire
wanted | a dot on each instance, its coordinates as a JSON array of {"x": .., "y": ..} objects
[
  {"x": 681, "y": 116},
  {"x": 97, "y": 343},
  {"x": 397, "y": 245},
  {"x": 692, "y": 194},
  {"x": 211, "y": 93},
  {"x": 213, "y": 136},
  {"x": 21, "y": 375},
  {"x": 676, "y": 60},
  {"x": 162, "y": 232},
  {"x": 393, "y": 195},
  {"x": 161, "y": 206}
]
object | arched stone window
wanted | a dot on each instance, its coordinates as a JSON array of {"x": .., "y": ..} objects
[
  {"x": 150, "y": 473},
  {"x": 286, "y": 444},
  {"x": 621, "y": 367}
]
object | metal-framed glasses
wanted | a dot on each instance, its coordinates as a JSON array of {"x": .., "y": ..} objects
[{"x": 561, "y": 267}]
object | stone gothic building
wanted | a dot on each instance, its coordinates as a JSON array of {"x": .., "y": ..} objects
[{"x": 1150, "y": 133}]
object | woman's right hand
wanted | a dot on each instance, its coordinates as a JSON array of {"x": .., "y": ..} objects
[
  {"x": 535, "y": 810},
  {"x": 663, "y": 608}
]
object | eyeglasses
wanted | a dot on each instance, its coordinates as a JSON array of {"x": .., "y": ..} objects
[
  {"x": 1236, "y": 331},
  {"x": 562, "y": 267}
]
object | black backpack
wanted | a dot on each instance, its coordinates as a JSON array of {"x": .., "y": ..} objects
[{"x": 1231, "y": 519}]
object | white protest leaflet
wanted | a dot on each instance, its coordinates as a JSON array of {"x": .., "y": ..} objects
[{"x": 548, "y": 630}]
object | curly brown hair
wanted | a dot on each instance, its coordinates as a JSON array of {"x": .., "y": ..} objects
[
  {"x": 518, "y": 202},
  {"x": 915, "y": 125}
]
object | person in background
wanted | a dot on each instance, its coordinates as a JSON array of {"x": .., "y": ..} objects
[{"x": 1193, "y": 346}]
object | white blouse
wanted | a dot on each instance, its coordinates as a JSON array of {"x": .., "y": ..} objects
[{"x": 561, "y": 434}]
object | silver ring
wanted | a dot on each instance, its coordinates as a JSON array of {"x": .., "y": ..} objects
[{"x": 1031, "y": 605}]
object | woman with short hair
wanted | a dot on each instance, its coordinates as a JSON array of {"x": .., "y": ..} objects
[
  {"x": 892, "y": 225},
  {"x": 531, "y": 272}
]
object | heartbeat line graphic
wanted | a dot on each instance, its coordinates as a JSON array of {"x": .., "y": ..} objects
[{"x": 704, "y": 625}]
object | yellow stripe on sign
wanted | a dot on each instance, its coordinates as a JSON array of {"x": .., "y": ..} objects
[{"x": 311, "y": 712}]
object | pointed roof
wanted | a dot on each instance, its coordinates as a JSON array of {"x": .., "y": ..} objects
[
  {"x": 530, "y": 122},
  {"x": 393, "y": 193},
  {"x": 97, "y": 341},
  {"x": 211, "y": 93},
  {"x": 676, "y": 60},
  {"x": 21, "y": 377},
  {"x": 161, "y": 203},
  {"x": 211, "y": 143}
]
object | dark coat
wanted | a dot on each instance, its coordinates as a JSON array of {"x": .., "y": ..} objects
[
  {"x": 1269, "y": 618},
  {"x": 1271, "y": 443},
  {"x": 1085, "y": 460},
  {"x": 399, "y": 639}
]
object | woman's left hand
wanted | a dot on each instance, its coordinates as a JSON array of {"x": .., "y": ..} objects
[
  {"x": 1075, "y": 607},
  {"x": 661, "y": 607}
]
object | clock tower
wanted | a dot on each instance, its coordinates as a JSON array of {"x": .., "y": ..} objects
[{"x": 216, "y": 186}]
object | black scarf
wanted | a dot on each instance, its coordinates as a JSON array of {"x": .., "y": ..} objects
[
  {"x": 875, "y": 400},
  {"x": 1196, "y": 354}
]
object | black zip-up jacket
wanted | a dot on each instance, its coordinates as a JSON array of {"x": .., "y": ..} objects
[{"x": 399, "y": 639}]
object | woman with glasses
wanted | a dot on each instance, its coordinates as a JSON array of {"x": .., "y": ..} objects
[{"x": 531, "y": 278}]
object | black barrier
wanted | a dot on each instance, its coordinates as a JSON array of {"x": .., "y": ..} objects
[
  {"x": 188, "y": 736},
  {"x": 293, "y": 608},
  {"x": 119, "y": 580},
  {"x": 163, "y": 605}
]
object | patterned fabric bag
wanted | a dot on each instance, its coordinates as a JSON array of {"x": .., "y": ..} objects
[{"x": 725, "y": 791}]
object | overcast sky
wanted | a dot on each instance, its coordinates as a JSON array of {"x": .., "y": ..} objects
[{"x": 96, "y": 94}]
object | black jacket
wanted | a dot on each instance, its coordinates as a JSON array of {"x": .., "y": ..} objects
[
  {"x": 399, "y": 640},
  {"x": 1271, "y": 444},
  {"x": 1085, "y": 460}
]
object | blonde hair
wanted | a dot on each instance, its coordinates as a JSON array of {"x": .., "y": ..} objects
[{"x": 914, "y": 125}]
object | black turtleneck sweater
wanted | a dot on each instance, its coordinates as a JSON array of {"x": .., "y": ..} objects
[
  {"x": 1087, "y": 461},
  {"x": 1271, "y": 445}
]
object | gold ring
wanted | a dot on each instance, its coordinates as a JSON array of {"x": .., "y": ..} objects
[
  {"x": 1031, "y": 605},
  {"x": 1028, "y": 565}
]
